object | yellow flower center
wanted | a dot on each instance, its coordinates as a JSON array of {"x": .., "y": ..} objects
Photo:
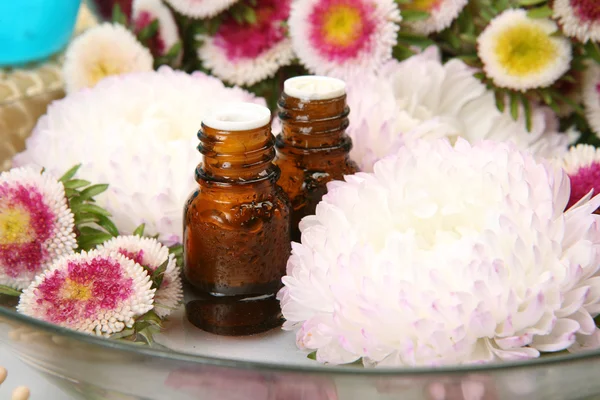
[
  {"x": 525, "y": 49},
  {"x": 14, "y": 226},
  {"x": 101, "y": 70},
  {"x": 75, "y": 291},
  {"x": 343, "y": 25},
  {"x": 421, "y": 5}
]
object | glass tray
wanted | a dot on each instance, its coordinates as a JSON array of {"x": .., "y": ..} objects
[{"x": 189, "y": 364}]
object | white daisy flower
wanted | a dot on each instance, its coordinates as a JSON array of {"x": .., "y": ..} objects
[
  {"x": 578, "y": 18},
  {"x": 90, "y": 292},
  {"x": 523, "y": 53},
  {"x": 200, "y": 8},
  {"x": 151, "y": 254},
  {"x": 341, "y": 38},
  {"x": 591, "y": 96},
  {"x": 36, "y": 225},
  {"x": 441, "y": 14},
  {"x": 243, "y": 53},
  {"x": 467, "y": 256},
  {"x": 140, "y": 136},
  {"x": 146, "y": 11},
  {"x": 101, "y": 51}
]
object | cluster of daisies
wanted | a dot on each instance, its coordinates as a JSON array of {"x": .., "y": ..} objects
[{"x": 68, "y": 271}]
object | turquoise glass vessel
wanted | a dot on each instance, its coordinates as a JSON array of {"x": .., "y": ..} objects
[{"x": 33, "y": 30}]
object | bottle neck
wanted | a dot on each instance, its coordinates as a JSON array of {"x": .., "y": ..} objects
[
  {"x": 236, "y": 156},
  {"x": 314, "y": 124}
]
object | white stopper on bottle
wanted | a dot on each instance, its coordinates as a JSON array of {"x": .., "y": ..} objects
[
  {"x": 312, "y": 87},
  {"x": 238, "y": 117}
]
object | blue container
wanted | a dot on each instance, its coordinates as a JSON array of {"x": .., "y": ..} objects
[{"x": 33, "y": 30}]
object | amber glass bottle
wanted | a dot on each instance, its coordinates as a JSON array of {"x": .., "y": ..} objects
[
  {"x": 312, "y": 148},
  {"x": 236, "y": 225}
]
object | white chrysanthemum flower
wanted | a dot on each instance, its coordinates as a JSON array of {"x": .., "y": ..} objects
[
  {"x": 582, "y": 164},
  {"x": 101, "y": 51},
  {"x": 421, "y": 98},
  {"x": 467, "y": 256},
  {"x": 200, "y": 8},
  {"x": 591, "y": 96},
  {"x": 151, "y": 254},
  {"x": 523, "y": 53},
  {"x": 36, "y": 225},
  {"x": 146, "y": 11},
  {"x": 441, "y": 14},
  {"x": 578, "y": 18},
  {"x": 137, "y": 132},
  {"x": 344, "y": 38},
  {"x": 243, "y": 53},
  {"x": 90, "y": 292}
]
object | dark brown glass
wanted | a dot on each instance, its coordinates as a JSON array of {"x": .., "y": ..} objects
[
  {"x": 236, "y": 233},
  {"x": 312, "y": 149}
]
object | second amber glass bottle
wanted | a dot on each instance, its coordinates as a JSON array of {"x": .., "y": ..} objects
[
  {"x": 312, "y": 148},
  {"x": 237, "y": 225}
]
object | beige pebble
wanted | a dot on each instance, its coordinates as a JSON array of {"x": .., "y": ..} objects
[
  {"x": 20, "y": 393},
  {"x": 3, "y": 374}
]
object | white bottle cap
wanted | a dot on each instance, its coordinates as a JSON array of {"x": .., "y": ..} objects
[
  {"x": 312, "y": 87},
  {"x": 238, "y": 117}
]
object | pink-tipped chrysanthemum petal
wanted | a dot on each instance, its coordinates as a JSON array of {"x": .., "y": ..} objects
[
  {"x": 591, "y": 96},
  {"x": 578, "y": 18},
  {"x": 146, "y": 11},
  {"x": 90, "y": 292},
  {"x": 150, "y": 253},
  {"x": 343, "y": 38},
  {"x": 244, "y": 53},
  {"x": 36, "y": 226},
  {"x": 200, "y": 8},
  {"x": 441, "y": 14}
]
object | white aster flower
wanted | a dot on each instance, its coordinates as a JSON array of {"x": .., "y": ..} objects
[
  {"x": 342, "y": 38},
  {"x": 36, "y": 225},
  {"x": 137, "y": 132},
  {"x": 90, "y": 292},
  {"x": 578, "y": 18},
  {"x": 421, "y": 98},
  {"x": 200, "y": 8},
  {"x": 243, "y": 53},
  {"x": 146, "y": 11},
  {"x": 441, "y": 14},
  {"x": 151, "y": 254},
  {"x": 101, "y": 51},
  {"x": 467, "y": 256},
  {"x": 591, "y": 96},
  {"x": 521, "y": 53}
]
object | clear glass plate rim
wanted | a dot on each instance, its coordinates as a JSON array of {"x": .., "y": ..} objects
[{"x": 316, "y": 370}]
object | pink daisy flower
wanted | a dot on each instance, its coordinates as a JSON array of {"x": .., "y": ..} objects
[
  {"x": 150, "y": 253},
  {"x": 244, "y": 54},
  {"x": 578, "y": 18},
  {"x": 36, "y": 225},
  {"x": 343, "y": 37},
  {"x": 90, "y": 292},
  {"x": 441, "y": 14},
  {"x": 591, "y": 96},
  {"x": 146, "y": 11},
  {"x": 200, "y": 8},
  {"x": 582, "y": 164}
]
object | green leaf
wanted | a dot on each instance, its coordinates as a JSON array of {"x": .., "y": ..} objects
[
  {"x": 414, "y": 15},
  {"x": 159, "y": 273},
  {"x": 149, "y": 31},
  {"x": 592, "y": 51},
  {"x": 139, "y": 231},
  {"x": 76, "y": 183},
  {"x": 527, "y": 3},
  {"x": 118, "y": 16},
  {"x": 108, "y": 225},
  {"x": 8, "y": 291},
  {"x": 88, "y": 230},
  {"x": 85, "y": 218},
  {"x": 414, "y": 39},
  {"x": 250, "y": 15},
  {"x": 93, "y": 190},
  {"x": 89, "y": 241},
  {"x": 527, "y": 111},
  {"x": 176, "y": 249},
  {"x": 90, "y": 208},
  {"x": 123, "y": 334},
  {"x": 500, "y": 100},
  {"x": 540, "y": 12},
  {"x": 514, "y": 106},
  {"x": 312, "y": 356},
  {"x": 71, "y": 193},
  {"x": 70, "y": 173},
  {"x": 174, "y": 50}
]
